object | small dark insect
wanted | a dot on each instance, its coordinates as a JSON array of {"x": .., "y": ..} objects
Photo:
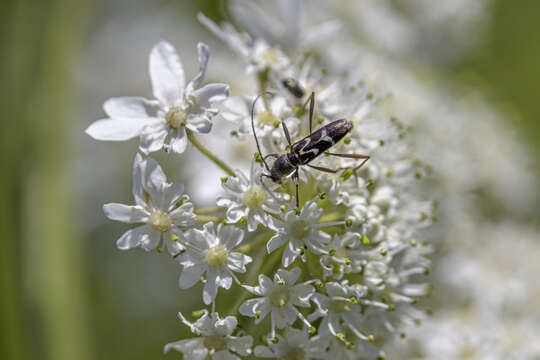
[
  {"x": 294, "y": 87},
  {"x": 308, "y": 149}
]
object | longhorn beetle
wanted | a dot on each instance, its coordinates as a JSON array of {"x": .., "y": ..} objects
[{"x": 306, "y": 150}]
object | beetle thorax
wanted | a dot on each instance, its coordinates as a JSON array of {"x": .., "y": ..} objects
[{"x": 281, "y": 168}]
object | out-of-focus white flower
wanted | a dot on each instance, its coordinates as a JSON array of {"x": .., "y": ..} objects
[
  {"x": 176, "y": 106},
  {"x": 215, "y": 339},
  {"x": 249, "y": 198},
  {"x": 294, "y": 345},
  {"x": 288, "y": 29},
  {"x": 212, "y": 253},
  {"x": 299, "y": 230},
  {"x": 162, "y": 206},
  {"x": 279, "y": 297}
]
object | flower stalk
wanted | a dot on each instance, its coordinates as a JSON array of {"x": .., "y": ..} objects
[{"x": 208, "y": 153}]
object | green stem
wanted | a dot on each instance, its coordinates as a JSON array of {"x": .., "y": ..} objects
[
  {"x": 261, "y": 239},
  {"x": 209, "y": 210},
  {"x": 216, "y": 219},
  {"x": 208, "y": 153}
]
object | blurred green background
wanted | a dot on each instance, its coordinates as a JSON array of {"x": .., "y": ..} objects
[{"x": 66, "y": 292}]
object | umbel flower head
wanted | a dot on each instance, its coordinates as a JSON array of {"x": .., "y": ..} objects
[
  {"x": 330, "y": 265},
  {"x": 163, "y": 208},
  {"x": 177, "y": 107}
]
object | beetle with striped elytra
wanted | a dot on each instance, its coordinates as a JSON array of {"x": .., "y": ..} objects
[{"x": 307, "y": 149}]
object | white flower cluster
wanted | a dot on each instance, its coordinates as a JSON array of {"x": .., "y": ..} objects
[{"x": 331, "y": 267}]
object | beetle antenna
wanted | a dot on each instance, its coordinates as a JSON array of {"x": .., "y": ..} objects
[{"x": 253, "y": 127}]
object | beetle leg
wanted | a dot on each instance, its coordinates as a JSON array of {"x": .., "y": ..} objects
[
  {"x": 352, "y": 156},
  {"x": 296, "y": 179},
  {"x": 323, "y": 169}
]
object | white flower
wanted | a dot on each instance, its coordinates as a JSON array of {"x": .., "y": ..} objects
[
  {"x": 339, "y": 307},
  {"x": 342, "y": 256},
  {"x": 215, "y": 339},
  {"x": 177, "y": 106},
  {"x": 249, "y": 198},
  {"x": 211, "y": 253},
  {"x": 162, "y": 206},
  {"x": 299, "y": 231},
  {"x": 268, "y": 116},
  {"x": 279, "y": 297},
  {"x": 288, "y": 30},
  {"x": 294, "y": 345}
]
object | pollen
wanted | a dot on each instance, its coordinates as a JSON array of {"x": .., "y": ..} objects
[
  {"x": 270, "y": 57},
  {"x": 300, "y": 229},
  {"x": 267, "y": 118},
  {"x": 176, "y": 117},
  {"x": 160, "y": 221},
  {"x": 216, "y": 255},
  {"x": 254, "y": 197}
]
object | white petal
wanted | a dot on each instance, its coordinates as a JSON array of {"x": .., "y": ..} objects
[
  {"x": 171, "y": 193},
  {"x": 265, "y": 283},
  {"x": 197, "y": 239},
  {"x": 231, "y": 236},
  {"x": 290, "y": 254},
  {"x": 284, "y": 316},
  {"x": 253, "y": 220},
  {"x": 183, "y": 216},
  {"x": 152, "y": 142},
  {"x": 241, "y": 345},
  {"x": 276, "y": 242},
  {"x": 192, "y": 348},
  {"x": 125, "y": 213},
  {"x": 235, "y": 213},
  {"x": 263, "y": 351},
  {"x": 151, "y": 241},
  {"x": 210, "y": 287},
  {"x": 224, "y": 280},
  {"x": 129, "y": 107},
  {"x": 191, "y": 275},
  {"x": 203, "y": 53},
  {"x": 167, "y": 74},
  {"x": 133, "y": 238},
  {"x": 249, "y": 307},
  {"x": 118, "y": 129},
  {"x": 153, "y": 180},
  {"x": 293, "y": 275},
  {"x": 209, "y": 93},
  {"x": 179, "y": 142},
  {"x": 237, "y": 262},
  {"x": 225, "y": 327},
  {"x": 300, "y": 294},
  {"x": 199, "y": 124},
  {"x": 234, "y": 109},
  {"x": 137, "y": 174},
  {"x": 251, "y": 18}
]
